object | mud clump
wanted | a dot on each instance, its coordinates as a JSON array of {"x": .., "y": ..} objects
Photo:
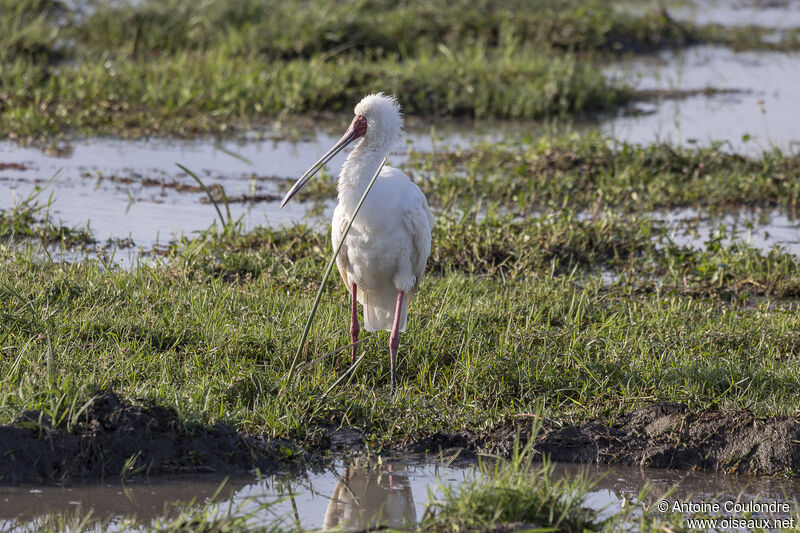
[
  {"x": 13, "y": 166},
  {"x": 662, "y": 435},
  {"x": 117, "y": 438}
]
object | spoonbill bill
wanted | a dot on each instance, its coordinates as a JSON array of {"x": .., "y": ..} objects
[{"x": 383, "y": 258}]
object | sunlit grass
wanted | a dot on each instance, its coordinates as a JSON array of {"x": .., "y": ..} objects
[
  {"x": 517, "y": 493},
  {"x": 592, "y": 171},
  {"x": 304, "y": 28},
  {"x": 588, "y": 308},
  {"x": 212, "y": 332},
  {"x": 195, "y": 92}
]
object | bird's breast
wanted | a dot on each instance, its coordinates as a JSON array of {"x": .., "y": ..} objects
[
  {"x": 374, "y": 250},
  {"x": 381, "y": 250}
]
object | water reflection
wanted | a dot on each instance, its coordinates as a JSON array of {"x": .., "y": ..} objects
[
  {"x": 369, "y": 497},
  {"x": 139, "y": 503},
  {"x": 355, "y": 495}
]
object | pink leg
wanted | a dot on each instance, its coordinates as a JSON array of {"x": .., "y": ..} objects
[
  {"x": 394, "y": 338},
  {"x": 354, "y": 327}
]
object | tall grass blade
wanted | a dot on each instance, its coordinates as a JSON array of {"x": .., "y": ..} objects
[{"x": 208, "y": 193}]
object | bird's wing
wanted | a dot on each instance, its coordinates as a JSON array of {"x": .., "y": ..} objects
[
  {"x": 418, "y": 222},
  {"x": 338, "y": 226}
]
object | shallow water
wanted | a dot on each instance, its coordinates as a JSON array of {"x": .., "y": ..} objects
[
  {"x": 131, "y": 188},
  {"x": 353, "y": 495},
  {"x": 152, "y": 214},
  {"x": 779, "y": 14},
  {"x": 763, "y": 229},
  {"x": 761, "y": 116}
]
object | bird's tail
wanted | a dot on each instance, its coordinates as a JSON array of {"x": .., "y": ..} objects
[{"x": 379, "y": 312}]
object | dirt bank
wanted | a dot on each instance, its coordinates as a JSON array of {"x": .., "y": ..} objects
[
  {"x": 662, "y": 435},
  {"x": 113, "y": 438}
]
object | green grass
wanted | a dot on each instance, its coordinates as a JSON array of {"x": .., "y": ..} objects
[
  {"x": 540, "y": 294},
  {"x": 195, "y": 92},
  {"x": 28, "y": 31},
  {"x": 594, "y": 172},
  {"x": 304, "y": 28},
  {"x": 516, "y": 315},
  {"x": 211, "y": 332},
  {"x": 519, "y": 492},
  {"x": 179, "y": 67}
]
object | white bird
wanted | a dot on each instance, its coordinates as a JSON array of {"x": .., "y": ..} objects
[{"x": 383, "y": 257}]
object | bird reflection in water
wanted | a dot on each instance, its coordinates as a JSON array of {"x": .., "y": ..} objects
[{"x": 367, "y": 497}]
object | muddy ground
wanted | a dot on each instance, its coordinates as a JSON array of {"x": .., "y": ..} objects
[
  {"x": 116, "y": 438},
  {"x": 661, "y": 435}
]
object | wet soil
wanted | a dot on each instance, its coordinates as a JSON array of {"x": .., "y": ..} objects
[
  {"x": 115, "y": 438},
  {"x": 661, "y": 435},
  {"x": 13, "y": 166}
]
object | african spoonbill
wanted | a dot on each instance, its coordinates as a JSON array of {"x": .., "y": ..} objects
[{"x": 383, "y": 257}]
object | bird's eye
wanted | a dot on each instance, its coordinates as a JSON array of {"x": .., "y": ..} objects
[{"x": 362, "y": 120}]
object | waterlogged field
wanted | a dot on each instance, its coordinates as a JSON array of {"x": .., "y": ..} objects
[
  {"x": 178, "y": 67},
  {"x": 590, "y": 297}
]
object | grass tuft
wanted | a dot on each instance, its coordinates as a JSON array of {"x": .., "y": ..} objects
[
  {"x": 514, "y": 494},
  {"x": 30, "y": 220}
]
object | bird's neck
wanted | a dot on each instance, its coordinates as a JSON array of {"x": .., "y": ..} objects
[{"x": 357, "y": 172}]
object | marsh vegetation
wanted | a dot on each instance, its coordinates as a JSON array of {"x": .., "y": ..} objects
[
  {"x": 556, "y": 291},
  {"x": 182, "y": 67}
]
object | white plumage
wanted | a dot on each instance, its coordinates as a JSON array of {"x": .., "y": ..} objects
[
  {"x": 388, "y": 246},
  {"x": 385, "y": 252}
]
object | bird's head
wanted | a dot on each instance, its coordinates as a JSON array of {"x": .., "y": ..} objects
[
  {"x": 384, "y": 122},
  {"x": 377, "y": 119}
]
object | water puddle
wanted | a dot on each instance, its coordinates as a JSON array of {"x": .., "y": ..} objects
[
  {"x": 351, "y": 496},
  {"x": 763, "y": 229},
  {"x": 133, "y": 189},
  {"x": 146, "y": 207},
  {"x": 756, "y": 111},
  {"x": 778, "y": 14}
]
